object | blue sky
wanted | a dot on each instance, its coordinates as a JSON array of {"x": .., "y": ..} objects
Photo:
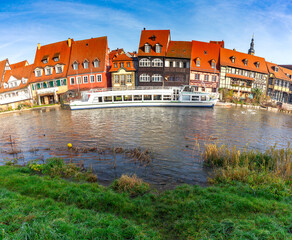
[{"x": 23, "y": 24}]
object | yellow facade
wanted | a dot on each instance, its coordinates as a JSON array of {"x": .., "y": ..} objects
[{"x": 123, "y": 78}]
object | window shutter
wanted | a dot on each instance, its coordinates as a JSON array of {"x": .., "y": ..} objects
[
  {"x": 45, "y": 85},
  {"x": 38, "y": 86},
  {"x": 65, "y": 81},
  {"x": 32, "y": 85},
  {"x": 51, "y": 84},
  {"x": 58, "y": 83}
]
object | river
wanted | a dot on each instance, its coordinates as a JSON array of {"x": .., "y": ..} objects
[{"x": 170, "y": 134}]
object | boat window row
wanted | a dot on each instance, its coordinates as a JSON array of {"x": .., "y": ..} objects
[{"x": 125, "y": 98}]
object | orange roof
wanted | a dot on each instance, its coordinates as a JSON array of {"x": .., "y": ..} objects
[
  {"x": 18, "y": 73},
  {"x": 122, "y": 58},
  {"x": 115, "y": 52},
  {"x": 220, "y": 43},
  {"x": 2, "y": 70},
  {"x": 287, "y": 72},
  {"x": 49, "y": 51},
  {"x": 179, "y": 49},
  {"x": 205, "y": 52},
  {"x": 19, "y": 64},
  {"x": 153, "y": 37},
  {"x": 280, "y": 74},
  {"x": 239, "y": 76},
  {"x": 90, "y": 50},
  {"x": 227, "y": 54}
]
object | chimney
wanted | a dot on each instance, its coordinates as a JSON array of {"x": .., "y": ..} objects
[
  {"x": 144, "y": 28},
  {"x": 69, "y": 42},
  {"x": 39, "y": 46}
]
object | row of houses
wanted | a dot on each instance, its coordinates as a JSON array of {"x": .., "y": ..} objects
[{"x": 74, "y": 66}]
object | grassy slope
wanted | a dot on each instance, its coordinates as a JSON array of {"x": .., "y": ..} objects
[{"x": 41, "y": 208}]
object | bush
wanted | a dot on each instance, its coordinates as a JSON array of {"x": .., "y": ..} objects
[{"x": 131, "y": 184}]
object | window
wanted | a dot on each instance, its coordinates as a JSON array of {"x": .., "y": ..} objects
[
  {"x": 158, "y": 48},
  {"x": 115, "y": 65},
  {"x": 144, "y": 78},
  {"x": 198, "y": 62},
  {"x": 79, "y": 80},
  {"x": 214, "y": 90},
  {"x": 38, "y": 73},
  {"x": 123, "y": 77},
  {"x": 147, "y": 48},
  {"x": 232, "y": 59},
  {"x": 72, "y": 81},
  {"x": 184, "y": 65},
  {"x": 48, "y": 71},
  {"x": 276, "y": 69},
  {"x": 213, "y": 64},
  {"x": 117, "y": 79},
  {"x": 85, "y": 79},
  {"x": 75, "y": 65},
  {"x": 214, "y": 78},
  {"x": 128, "y": 64},
  {"x": 206, "y": 77},
  {"x": 59, "y": 69},
  {"x": 56, "y": 59},
  {"x": 129, "y": 78},
  {"x": 157, "y": 62},
  {"x": 197, "y": 76},
  {"x": 245, "y": 62},
  {"x": 92, "y": 78},
  {"x": 63, "y": 82},
  {"x": 122, "y": 65},
  {"x": 203, "y": 89},
  {"x": 257, "y": 64},
  {"x": 86, "y": 64},
  {"x": 144, "y": 62},
  {"x": 233, "y": 70},
  {"x": 156, "y": 78},
  {"x": 98, "y": 78},
  {"x": 45, "y": 61},
  {"x": 96, "y": 63},
  {"x": 171, "y": 64}
]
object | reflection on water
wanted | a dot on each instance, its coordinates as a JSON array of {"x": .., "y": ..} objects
[{"x": 171, "y": 135}]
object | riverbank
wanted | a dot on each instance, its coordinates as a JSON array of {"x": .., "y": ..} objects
[
  {"x": 40, "y": 207},
  {"x": 32, "y": 108}
]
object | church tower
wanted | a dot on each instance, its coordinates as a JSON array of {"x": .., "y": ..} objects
[{"x": 251, "y": 50}]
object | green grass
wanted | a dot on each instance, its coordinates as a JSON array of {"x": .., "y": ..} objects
[{"x": 41, "y": 207}]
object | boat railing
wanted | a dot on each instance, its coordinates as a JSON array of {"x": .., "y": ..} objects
[{"x": 129, "y": 88}]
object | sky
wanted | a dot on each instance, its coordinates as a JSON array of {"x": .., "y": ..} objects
[{"x": 25, "y": 23}]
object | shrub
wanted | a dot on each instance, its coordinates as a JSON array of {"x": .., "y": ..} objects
[{"x": 130, "y": 184}]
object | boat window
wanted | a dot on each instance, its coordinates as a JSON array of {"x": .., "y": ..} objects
[
  {"x": 166, "y": 97},
  {"x": 147, "y": 97},
  {"x": 108, "y": 99},
  {"x": 185, "y": 98},
  {"x": 137, "y": 97},
  {"x": 128, "y": 98},
  {"x": 157, "y": 97},
  {"x": 195, "y": 98},
  {"x": 117, "y": 98},
  {"x": 203, "y": 98},
  {"x": 95, "y": 100}
]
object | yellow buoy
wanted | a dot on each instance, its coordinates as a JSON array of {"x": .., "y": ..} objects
[{"x": 69, "y": 145}]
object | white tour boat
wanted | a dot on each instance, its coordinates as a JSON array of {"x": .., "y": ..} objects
[{"x": 184, "y": 96}]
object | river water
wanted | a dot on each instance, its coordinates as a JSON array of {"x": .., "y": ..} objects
[{"x": 171, "y": 135}]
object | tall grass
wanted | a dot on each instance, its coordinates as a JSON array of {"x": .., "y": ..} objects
[{"x": 272, "y": 167}]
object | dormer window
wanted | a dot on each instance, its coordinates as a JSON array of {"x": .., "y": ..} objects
[
  {"x": 45, "y": 59},
  {"x": 75, "y": 65},
  {"x": 122, "y": 64},
  {"x": 232, "y": 59},
  {"x": 48, "y": 71},
  {"x": 158, "y": 48},
  {"x": 115, "y": 65},
  {"x": 245, "y": 61},
  {"x": 198, "y": 62},
  {"x": 56, "y": 57},
  {"x": 38, "y": 73},
  {"x": 96, "y": 63},
  {"x": 24, "y": 80},
  {"x": 147, "y": 48},
  {"x": 85, "y": 64},
  {"x": 276, "y": 69},
  {"x": 213, "y": 63},
  {"x": 59, "y": 68},
  {"x": 128, "y": 64},
  {"x": 257, "y": 64}
]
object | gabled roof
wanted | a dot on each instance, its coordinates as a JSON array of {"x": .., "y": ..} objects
[
  {"x": 116, "y": 52},
  {"x": 19, "y": 64},
  {"x": 89, "y": 49},
  {"x": 286, "y": 66},
  {"x": 153, "y": 37},
  {"x": 227, "y": 54},
  {"x": 48, "y": 52},
  {"x": 18, "y": 73},
  {"x": 122, "y": 58},
  {"x": 287, "y": 71},
  {"x": 206, "y": 52},
  {"x": 280, "y": 74},
  {"x": 2, "y": 70},
  {"x": 179, "y": 49}
]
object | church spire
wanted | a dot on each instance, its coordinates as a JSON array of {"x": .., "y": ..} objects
[{"x": 251, "y": 51}]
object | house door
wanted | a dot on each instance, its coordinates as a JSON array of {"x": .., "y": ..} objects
[{"x": 122, "y": 80}]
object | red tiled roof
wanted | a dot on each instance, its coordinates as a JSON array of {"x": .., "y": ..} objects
[
  {"x": 122, "y": 58},
  {"x": 19, "y": 64},
  {"x": 287, "y": 71},
  {"x": 2, "y": 70},
  {"x": 220, "y": 43},
  {"x": 115, "y": 52},
  {"x": 280, "y": 74},
  {"x": 206, "y": 52},
  {"x": 90, "y": 50},
  {"x": 49, "y": 51},
  {"x": 227, "y": 54},
  {"x": 18, "y": 73},
  {"x": 238, "y": 76},
  {"x": 153, "y": 37},
  {"x": 179, "y": 49}
]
